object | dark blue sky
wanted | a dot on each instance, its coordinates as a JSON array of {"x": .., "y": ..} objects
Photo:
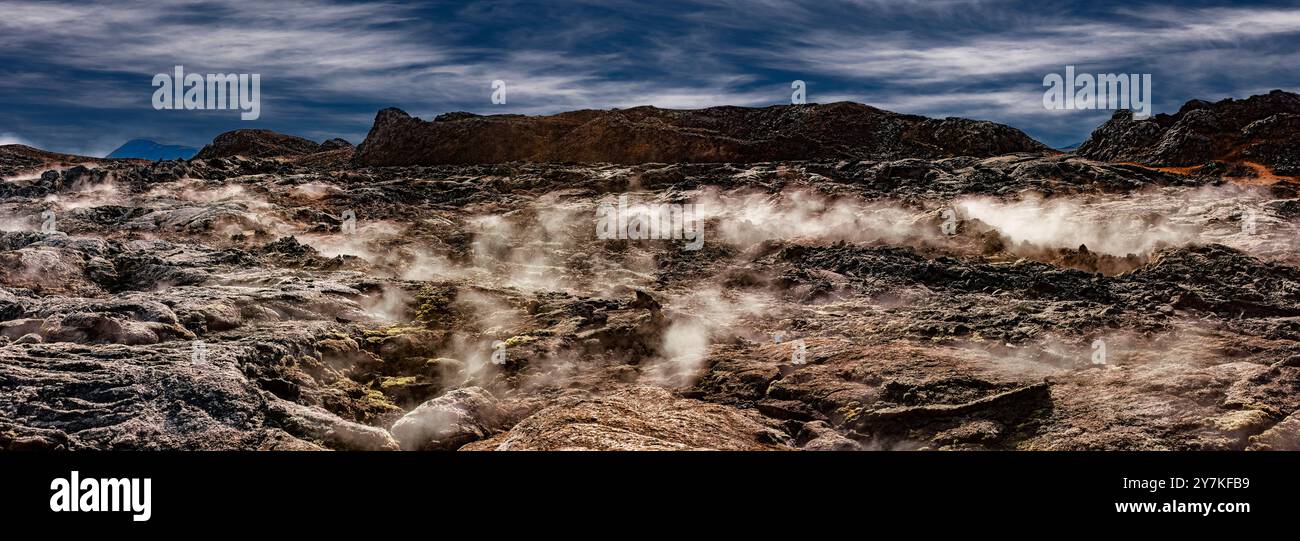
[{"x": 77, "y": 78}]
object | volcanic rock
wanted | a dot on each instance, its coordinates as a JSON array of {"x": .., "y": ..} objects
[
  {"x": 1261, "y": 129},
  {"x": 1284, "y": 436},
  {"x": 334, "y": 144},
  {"x": 449, "y": 421},
  {"x": 842, "y": 130},
  {"x": 18, "y": 159},
  {"x": 638, "y": 418},
  {"x": 221, "y": 304},
  {"x": 255, "y": 143}
]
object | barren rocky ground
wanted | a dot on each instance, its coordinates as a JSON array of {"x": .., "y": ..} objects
[{"x": 285, "y": 298}]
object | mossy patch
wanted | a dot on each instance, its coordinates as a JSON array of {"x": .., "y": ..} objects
[
  {"x": 390, "y": 383},
  {"x": 433, "y": 305},
  {"x": 520, "y": 340},
  {"x": 379, "y": 334}
]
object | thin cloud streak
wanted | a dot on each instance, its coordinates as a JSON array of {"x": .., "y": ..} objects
[{"x": 77, "y": 76}]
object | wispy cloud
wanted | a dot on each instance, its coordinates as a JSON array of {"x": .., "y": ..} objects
[{"x": 76, "y": 75}]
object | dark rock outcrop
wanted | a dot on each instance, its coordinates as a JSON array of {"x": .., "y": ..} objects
[
  {"x": 335, "y": 144},
  {"x": 1262, "y": 129},
  {"x": 716, "y": 134},
  {"x": 19, "y": 159},
  {"x": 637, "y": 418},
  {"x": 257, "y": 144},
  {"x": 449, "y": 421}
]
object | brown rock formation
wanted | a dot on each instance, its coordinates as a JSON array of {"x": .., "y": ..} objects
[{"x": 716, "y": 134}]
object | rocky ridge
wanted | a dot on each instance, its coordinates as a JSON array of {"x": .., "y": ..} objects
[
  {"x": 1260, "y": 130},
  {"x": 292, "y": 299},
  {"x": 645, "y": 134}
]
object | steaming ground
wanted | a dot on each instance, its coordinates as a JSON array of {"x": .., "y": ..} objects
[{"x": 953, "y": 304}]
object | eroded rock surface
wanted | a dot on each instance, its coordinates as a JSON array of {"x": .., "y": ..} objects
[
  {"x": 1260, "y": 130},
  {"x": 1018, "y": 301},
  {"x": 254, "y": 143},
  {"x": 638, "y": 418},
  {"x": 646, "y": 134},
  {"x": 450, "y": 421}
]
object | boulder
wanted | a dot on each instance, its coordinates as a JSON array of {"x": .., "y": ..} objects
[
  {"x": 639, "y": 418},
  {"x": 449, "y": 421},
  {"x": 254, "y": 143}
]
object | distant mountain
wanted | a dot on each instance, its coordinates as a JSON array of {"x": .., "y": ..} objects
[
  {"x": 1070, "y": 147},
  {"x": 645, "y": 134},
  {"x": 149, "y": 150}
]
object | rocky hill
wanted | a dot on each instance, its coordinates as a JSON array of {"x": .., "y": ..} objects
[
  {"x": 1263, "y": 129},
  {"x": 257, "y": 144},
  {"x": 19, "y": 159},
  {"x": 716, "y": 134}
]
